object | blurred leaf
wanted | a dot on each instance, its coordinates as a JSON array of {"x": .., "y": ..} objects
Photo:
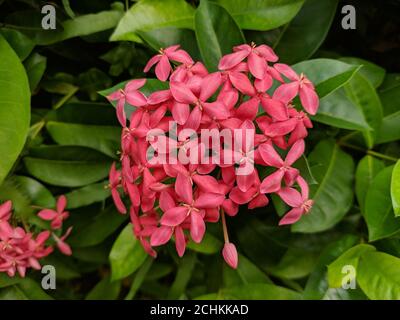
[
  {"x": 105, "y": 289},
  {"x": 98, "y": 229},
  {"x": 372, "y": 72},
  {"x": 245, "y": 273},
  {"x": 395, "y": 189},
  {"x": 378, "y": 276},
  {"x": 33, "y": 290},
  {"x": 67, "y": 8},
  {"x": 351, "y": 258},
  {"x": 92, "y": 81},
  {"x": 37, "y": 193},
  {"x": 379, "y": 215},
  {"x": 12, "y": 293},
  {"x": 367, "y": 169},
  {"x": 87, "y": 195},
  {"x": 261, "y": 14},
  {"x": 209, "y": 245},
  {"x": 147, "y": 15},
  {"x": 65, "y": 268},
  {"x": 183, "y": 275},
  {"x": 295, "y": 264},
  {"x": 127, "y": 254},
  {"x": 21, "y": 44},
  {"x": 334, "y": 170},
  {"x": 305, "y": 33},
  {"x": 216, "y": 33},
  {"x": 317, "y": 284},
  {"x": 389, "y": 93},
  {"x": 14, "y": 107},
  {"x": 304, "y": 167},
  {"x": 67, "y": 166},
  {"x": 363, "y": 95},
  {"x": 105, "y": 139},
  {"x": 139, "y": 278},
  {"x": 390, "y": 128},
  {"x": 6, "y": 281},
  {"x": 35, "y": 66}
]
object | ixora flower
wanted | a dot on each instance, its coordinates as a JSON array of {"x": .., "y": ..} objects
[
  {"x": 251, "y": 103},
  {"x": 21, "y": 249}
]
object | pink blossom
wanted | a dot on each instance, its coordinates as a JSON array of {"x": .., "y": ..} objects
[{"x": 56, "y": 216}]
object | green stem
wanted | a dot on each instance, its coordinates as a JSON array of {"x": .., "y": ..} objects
[{"x": 369, "y": 152}]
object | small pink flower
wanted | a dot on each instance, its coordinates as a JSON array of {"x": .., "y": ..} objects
[
  {"x": 61, "y": 244},
  {"x": 56, "y": 216}
]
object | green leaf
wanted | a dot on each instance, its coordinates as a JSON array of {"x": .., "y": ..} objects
[
  {"x": 105, "y": 290},
  {"x": 363, "y": 95},
  {"x": 246, "y": 272},
  {"x": 334, "y": 170},
  {"x": 67, "y": 166},
  {"x": 183, "y": 275},
  {"x": 295, "y": 264},
  {"x": 21, "y": 44},
  {"x": 127, "y": 254},
  {"x": 105, "y": 139},
  {"x": 258, "y": 291},
  {"x": 14, "y": 107},
  {"x": 87, "y": 195},
  {"x": 80, "y": 26},
  {"x": 317, "y": 284},
  {"x": 374, "y": 73},
  {"x": 37, "y": 193},
  {"x": 98, "y": 229},
  {"x": 389, "y": 93},
  {"x": 35, "y": 66},
  {"x": 261, "y": 14},
  {"x": 395, "y": 189},
  {"x": 12, "y": 293},
  {"x": 378, "y": 276},
  {"x": 305, "y": 33},
  {"x": 147, "y": 15},
  {"x": 216, "y": 33},
  {"x": 209, "y": 245},
  {"x": 379, "y": 214},
  {"x": 140, "y": 276},
  {"x": 351, "y": 258},
  {"x": 367, "y": 169},
  {"x": 390, "y": 128},
  {"x": 32, "y": 290}
]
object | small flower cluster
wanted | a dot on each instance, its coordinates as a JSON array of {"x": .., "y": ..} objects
[
  {"x": 21, "y": 249},
  {"x": 175, "y": 199}
]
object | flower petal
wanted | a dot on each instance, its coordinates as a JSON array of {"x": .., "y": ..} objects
[{"x": 174, "y": 216}]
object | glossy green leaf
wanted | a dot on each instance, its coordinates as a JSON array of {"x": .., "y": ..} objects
[
  {"x": 378, "y": 276},
  {"x": 389, "y": 93},
  {"x": 379, "y": 214},
  {"x": 147, "y": 15},
  {"x": 87, "y": 195},
  {"x": 374, "y": 73},
  {"x": 37, "y": 193},
  {"x": 105, "y": 290},
  {"x": 334, "y": 170},
  {"x": 67, "y": 166},
  {"x": 98, "y": 229},
  {"x": 317, "y": 284},
  {"x": 367, "y": 169},
  {"x": 351, "y": 257},
  {"x": 127, "y": 254},
  {"x": 390, "y": 128},
  {"x": 258, "y": 292},
  {"x": 21, "y": 44},
  {"x": 105, "y": 139},
  {"x": 35, "y": 66},
  {"x": 395, "y": 188},
  {"x": 216, "y": 33},
  {"x": 305, "y": 33},
  {"x": 14, "y": 107},
  {"x": 363, "y": 95},
  {"x": 261, "y": 14}
]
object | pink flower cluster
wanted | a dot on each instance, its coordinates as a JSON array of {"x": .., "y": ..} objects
[
  {"x": 176, "y": 200},
  {"x": 21, "y": 249}
]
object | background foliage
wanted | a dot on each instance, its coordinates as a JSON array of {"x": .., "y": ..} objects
[{"x": 58, "y": 135}]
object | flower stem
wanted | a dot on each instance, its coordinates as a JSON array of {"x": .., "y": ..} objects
[
  {"x": 224, "y": 228},
  {"x": 369, "y": 152}
]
